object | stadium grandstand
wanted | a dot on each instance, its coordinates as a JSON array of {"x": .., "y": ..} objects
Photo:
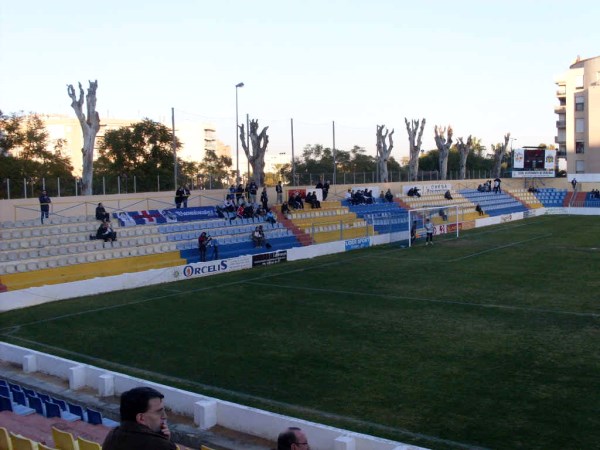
[{"x": 157, "y": 243}]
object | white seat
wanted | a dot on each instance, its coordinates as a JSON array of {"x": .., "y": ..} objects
[
  {"x": 81, "y": 259},
  {"x": 53, "y": 251},
  {"x": 72, "y": 260},
  {"x": 10, "y": 268},
  {"x": 52, "y": 263},
  {"x": 21, "y": 267},
  {"x": 90, "y": 257},
  {"x": 72, "y": 249},
  {"x": 42, "y": 264},
  {"x": 32, "y": 266}
]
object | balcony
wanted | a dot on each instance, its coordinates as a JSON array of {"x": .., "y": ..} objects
[
  {"x": 560, "y": 140},
  {"x": 560, "y": 109},
  {"x": 561, "y": 124},
  {"x": 561, "y": 153},
  {"x": 561, "y": 92}
]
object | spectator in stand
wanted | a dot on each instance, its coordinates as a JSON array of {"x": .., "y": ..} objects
[
  {"x": 178, "y": 197},
  {"x": 348, "y": 196},
  {"x": 270, "y": 217},
  {"x": 264, "y": 199},
  {"x": 285, "y": 209},
  {"x": 101, "y": 213},
  {"x": 325, "y": 190},
  {"x": 258, "y": 237},
  {"x": 319, "y": 185},
  {"x": 106, "y": 233},
  {"x": 448, "y": 195},
  {"x": 232, "y": 192},
  {"x": 44, "y": 205},
  {"x": 252, "y": 191},
  {"x": 497, "y": 188},
  {"x": 298, "y": 203},
  {"x": 203, "y": 241},
  {"x": 429, "y": 231},
  {"x": 481, "y": 188},
  {"x": 239, "y": 193},
  {"x": 143, "y": 423},
  {"x": 314, "y": 201},
  {"x": 574, "y": 184},
  {"x": 239, "y": 214},
  {"x": 479, "y": 210},
  {"x": 279, "y": 191},
  {"x": 389, "y": 196},
  {"x": 185, "y": 196},
  {"x": 382, "y": 197},
  {"x": 292, "y": 439}
]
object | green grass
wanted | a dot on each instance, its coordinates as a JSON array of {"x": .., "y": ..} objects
[{"x": 491, "y": 340}]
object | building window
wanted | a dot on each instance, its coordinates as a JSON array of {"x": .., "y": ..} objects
[
  {"x": 580, "y": 166},
  {"x": 579, "y": 82},
  {"x": 579, "y": 147},
  {"x": 579, "y": 103},
  {"x": 579, "y": 125}
]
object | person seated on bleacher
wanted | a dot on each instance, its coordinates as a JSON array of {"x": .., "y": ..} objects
[
  {"x": 296, "y": 201},
  {"x": 106, "y": 233},
  {"x": 248, "y": 211},
  {"x": 448, "y": 195},
  {"x": 239, "y": 214},
  {"x": 443, "y": 215},
  {"x": 480, "y": 188},
  {"x": 143, "y": 422},
  {"x": 479, "y": 210},
  {"x": 226, "y": 208},
  {"x": 285, "y": 208},
  {"x": 312, "y": 199},
  {"x": 258, "y": 236},
  {"x": 389, "y": 196},
  {"x": 357, "y": 198},
  {"x": 101, "y": 213},
  {"x": 532, "y": 189},
  {"x": 203, "y": 241},
  {"x": 270, "y": 217},
  {"x": 368, "y": 196},
  {"x": 348, "y": 196}
]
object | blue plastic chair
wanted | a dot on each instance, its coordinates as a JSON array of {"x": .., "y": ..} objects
[
  {"x": 19, "y": 397},
  {"x": 7, "y": 405},
  {"x": 95, "y": 418},
  {"x": 36, "y": 404}
]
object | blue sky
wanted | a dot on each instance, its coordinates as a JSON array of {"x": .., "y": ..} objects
[{"x": 485, "y": 67}]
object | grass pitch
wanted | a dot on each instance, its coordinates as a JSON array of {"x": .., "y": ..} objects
[{"x": 487, "y": 341}]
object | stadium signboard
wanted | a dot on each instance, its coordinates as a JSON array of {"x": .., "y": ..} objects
[
  {"x": 266, "y": 259},
  {"x": 203, "y": 269},
  {"x": 356, "y": 243}
]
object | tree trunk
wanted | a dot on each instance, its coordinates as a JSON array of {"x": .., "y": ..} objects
[
  {"x": 443, "y": 144},
  {"x": 89, "y": 127},
  {"x": 463, "y": 150},
  {"x": 383, "y": 152},
  {"x": 414, "y": 142},
  {"x": 259, "y": 148},
  {"x": 499, "y": 151}
]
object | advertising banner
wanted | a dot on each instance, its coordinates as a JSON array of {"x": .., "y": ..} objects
[
  {"x": 361, "y": 242},
  {"x": 265, "y": 259},
  {"x": 550, "y": 160},
  {"x": 519, "y": 158}
]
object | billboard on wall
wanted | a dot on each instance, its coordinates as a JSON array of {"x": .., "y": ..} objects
[{"x": 533, "y": 162}]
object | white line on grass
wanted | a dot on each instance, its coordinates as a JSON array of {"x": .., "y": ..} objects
[
  {"x": 428, "y": 300},
  {"x": 273, "y": 403},
  {"x": 493, "y": 249}
]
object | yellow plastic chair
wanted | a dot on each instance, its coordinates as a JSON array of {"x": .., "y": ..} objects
[
  {"x": 5, "y": 441},
  {"x": 84, "y": 444},
  {"x": 22, "y": 443},
  {"x": 63, "y": 440},
  {"x": 204, "y": 447},
  {"x": 45, "y": 447}
]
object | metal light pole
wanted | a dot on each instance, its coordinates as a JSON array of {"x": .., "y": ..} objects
[{"x": 237, "y": 139}]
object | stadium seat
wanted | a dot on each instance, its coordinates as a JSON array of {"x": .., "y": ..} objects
[
  {"x": 5, "y": 441},
  {"x": 7, "y": 405},
  {"x": 36, "y": 404},
  {"x": 22, "y": 443},
  {"x": 84, "y": 444},
  {"x": 55, "y": 409},
  {"x": 95, "y": 418},
  {"x": 77, "y": 410},
  {"x": 63, "y": 440},
  {"x": 41, "y": 446}
]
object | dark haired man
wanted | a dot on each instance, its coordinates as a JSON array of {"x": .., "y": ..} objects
[
  {"x": 143, "y": 423},
  {"x": 292, "y": 439}
]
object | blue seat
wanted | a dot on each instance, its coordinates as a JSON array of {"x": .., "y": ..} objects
[
  {"x": 19, "y": 397},
  {"x": 4, "y": 391},
  {"x": 95, "y": 418},
  {"x": 77, "y": 410},
  {"x": 36, "y": 404},
  {"x": 7, "y": 405},
  {"x": 44, "y": 397},
  {"x": 54, "y": 410}
]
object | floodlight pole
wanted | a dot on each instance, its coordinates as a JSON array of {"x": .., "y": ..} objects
[{"x": 237, "y": 139}]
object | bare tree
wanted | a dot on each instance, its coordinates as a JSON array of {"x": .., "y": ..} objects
[
  {"x": 259, "y": 148},
  {"x": 383, "y": 151},
  {"x": 443, "y": 142},
  {"x": 414, "y": 141},
  {"x": 499, "y": 151},
  {"x": 90, "y": 125},
  {"x": 463, "y": 151}
]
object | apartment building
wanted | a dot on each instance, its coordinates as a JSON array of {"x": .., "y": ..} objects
[
  {"x": 578, "y": 121},
  {"x": 196, "y": 137}
]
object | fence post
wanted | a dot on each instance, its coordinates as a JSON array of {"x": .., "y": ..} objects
[
  {"x": 8, "y": 188},
  {"x": 158, "y": 183},
  {"x": 58, "y": 186},
  {"x": 25, "y": 187},
  {"x": 119, "y": 184},
  {"x": 103, "y": 186},
  {"x": 135, "y": 184}
]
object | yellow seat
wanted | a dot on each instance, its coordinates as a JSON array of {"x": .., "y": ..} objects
[
  {"x": 84, "y": 444},
  {"x": 5, "y": 441},
  {"x": 63, "y": 440},
  {"x": 22, "y": 443},
  {"x": 44, "y": 447},
  {"x": 204, "y": 447}
]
